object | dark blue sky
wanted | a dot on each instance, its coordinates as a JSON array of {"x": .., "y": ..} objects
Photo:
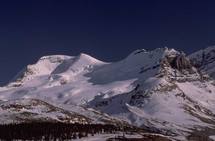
[{"x": 106, "y": 29}]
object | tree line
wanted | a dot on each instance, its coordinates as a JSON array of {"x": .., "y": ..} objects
[{"x": 54, "y": 131}]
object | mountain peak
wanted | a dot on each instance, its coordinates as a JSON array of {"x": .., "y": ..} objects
[
  {"x": 44, "y": 66},
  {"x": 88, "y": 58}
]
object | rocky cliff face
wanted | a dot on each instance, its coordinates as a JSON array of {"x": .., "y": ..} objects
[{"x": 179, "y": 62}]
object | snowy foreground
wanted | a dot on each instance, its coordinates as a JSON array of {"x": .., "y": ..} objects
[
  {"x": 121, "y": 136},
  {"x": 161, "y": 91},
  {"x": 104, "y": 137},
  {"x": 212, "y": 137}
]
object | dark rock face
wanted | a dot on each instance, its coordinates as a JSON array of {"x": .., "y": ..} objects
[{"x": 179, "y": 62}]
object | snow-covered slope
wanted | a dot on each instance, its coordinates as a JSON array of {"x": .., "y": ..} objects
[
  {"x": 159, "y": 89},
  {"x": 205, "y": 60},
  {"x": 44, "y": 66}
]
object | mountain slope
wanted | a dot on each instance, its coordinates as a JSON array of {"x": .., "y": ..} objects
[
  {"x": 35, "y": 110},
  {"x": 205, "y": 60},
  {"x": 175, "y": 99},
  {"x": 29, "y": 110}
]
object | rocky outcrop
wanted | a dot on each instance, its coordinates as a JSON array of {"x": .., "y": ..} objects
[{"x": 179, "y": 62}]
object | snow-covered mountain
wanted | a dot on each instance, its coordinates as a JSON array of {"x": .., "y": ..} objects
[{"x": 161, "y": 90}]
